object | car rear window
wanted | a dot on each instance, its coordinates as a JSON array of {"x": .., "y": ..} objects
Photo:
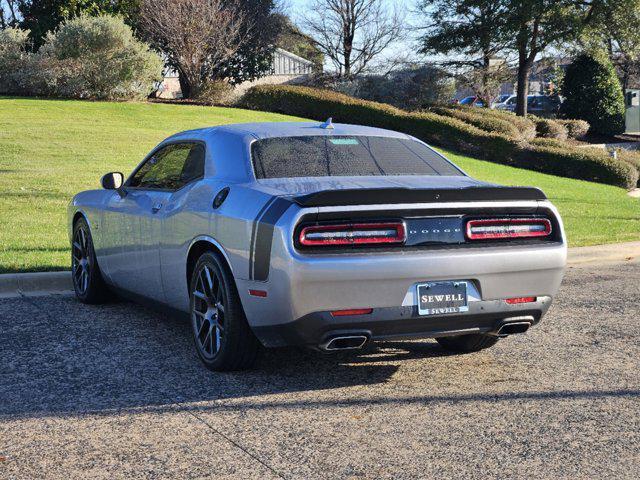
[{"x": 342, "y": 156}]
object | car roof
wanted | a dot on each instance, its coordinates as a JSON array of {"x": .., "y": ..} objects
[{"x": 260, "y": 130}]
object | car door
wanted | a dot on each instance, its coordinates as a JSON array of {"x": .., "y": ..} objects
[{"x": 141, "y": 210}]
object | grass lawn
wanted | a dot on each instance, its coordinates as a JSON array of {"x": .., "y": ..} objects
[{"x": 51, "y": 149}]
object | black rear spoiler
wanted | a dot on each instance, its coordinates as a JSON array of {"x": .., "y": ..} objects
[{"x": 371, "y": 196}]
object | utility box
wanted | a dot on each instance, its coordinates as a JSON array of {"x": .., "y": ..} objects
[{"x": 632, "y": 115}]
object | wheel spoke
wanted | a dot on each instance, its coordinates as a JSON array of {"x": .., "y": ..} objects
[
  {"x": 209, "y": 280},
  {"x": 207, "y": 341},
  {"x": 78, "y": 246},
  {"x": 83, "y": 239},
  {"x": 85, "y": 282},
  {"x": 218, "y": 336},
  {"x": 215, "y": 291},
  {"x": 211, "y": 339},
  {"x": 202, "y": 322},
  {"x": 200, "y": 295}
]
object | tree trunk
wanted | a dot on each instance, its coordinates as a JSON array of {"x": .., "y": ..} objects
[
  {"x": 524, "y": 69},
  {"x": 185, "y": 85}
]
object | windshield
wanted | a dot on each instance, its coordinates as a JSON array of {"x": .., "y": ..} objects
[
  {"x": 467, "y": 100},
  {"x": 345, "y": 156}
]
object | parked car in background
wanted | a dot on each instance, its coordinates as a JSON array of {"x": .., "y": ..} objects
[
  {"x": 503, "y": 102},
  {"x": 539, "y": 105},
  {"x": 471, "y": 101},
  {"x": 544, "y": 105},
  {"x": 319, "y": 235}
]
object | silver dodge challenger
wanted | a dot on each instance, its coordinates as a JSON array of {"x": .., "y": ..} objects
[{"x": 326, "y": 235}]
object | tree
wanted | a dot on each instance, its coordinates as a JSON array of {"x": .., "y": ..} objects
[
  {"x": 198, "y": 37},
  {"x": 352, "y": 33},
  {"x": 474, "y": 31},
  {"x": 260, "y": 30},
  {"x": 615, "y": 28},
  {"x": 292, "y": 39},
  {"x": 43, "y": 16},
  {"x": 537, "y": 24},
  {"x": 10, "y": 13},
  {"x": 524, "y": 27},
  {"x": 593, "y": 93}
]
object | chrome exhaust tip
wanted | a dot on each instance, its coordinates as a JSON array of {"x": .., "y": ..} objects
[
  {"x": 346, "y": 342},
  {"x": 511, "y": 326},
  {"x": 515, "y": 327}
]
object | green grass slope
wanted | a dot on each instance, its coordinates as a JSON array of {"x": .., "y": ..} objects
[{"x": 51, "y": 149}]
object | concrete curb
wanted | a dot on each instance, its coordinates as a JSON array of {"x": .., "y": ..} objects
[
  {"x": 34, "y": 284},
  {"x": 615, "y": 252},
  {"x": 46, "y": 283}
]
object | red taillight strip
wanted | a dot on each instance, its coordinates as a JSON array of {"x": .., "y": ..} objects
[
  {"x": 353, "y": 234},
  {"x": 352, "y": 311},
  {"x": 508, "y": 232}
]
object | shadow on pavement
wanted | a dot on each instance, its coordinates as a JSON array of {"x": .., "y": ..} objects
[{"x": 59, "y": 357}]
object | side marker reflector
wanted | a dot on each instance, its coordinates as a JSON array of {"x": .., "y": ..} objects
[
  {"x": 517, "y": 300},
  {"x": 258, "y": 293}
]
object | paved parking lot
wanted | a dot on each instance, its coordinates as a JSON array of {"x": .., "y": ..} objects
[{"x": 116, "y": 391}]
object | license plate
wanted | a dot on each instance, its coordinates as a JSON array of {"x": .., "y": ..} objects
[{"x": 438, "y": 298}]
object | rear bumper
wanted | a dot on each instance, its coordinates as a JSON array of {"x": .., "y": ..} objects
[
  {"x": 400, "y": 323},
  {"x": 302, "y": 285}
]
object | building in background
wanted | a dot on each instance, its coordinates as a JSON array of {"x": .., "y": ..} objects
[{"x": 286, "y": 68}]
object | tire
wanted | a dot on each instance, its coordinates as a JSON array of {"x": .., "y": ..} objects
[
  {"x": 88, "y": 283},
  {"x": 467, "y": 343},
  {"x": 222, "y": 337}
]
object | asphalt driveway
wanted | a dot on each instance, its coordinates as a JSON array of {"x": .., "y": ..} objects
[{"x": 116, "y": 391}]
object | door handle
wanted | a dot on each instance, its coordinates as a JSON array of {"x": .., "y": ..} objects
[{"x": 156, "y": 207}]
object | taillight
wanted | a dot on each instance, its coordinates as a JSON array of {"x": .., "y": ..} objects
[
  {"x": 487, "y": 229},
  {"x": 353, "y": 234}
]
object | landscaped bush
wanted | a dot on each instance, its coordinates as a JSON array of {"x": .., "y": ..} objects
[
  {"x": 547, "y": 128},
  {"x": 576, "y": 129},
  {"x": 105, "y": 57},
  {"x": 215, "y": 92},
  {"x": 409, "y": 89},
  {"x": 593, "y": 93},
  {"x": 429, "y": 127},
  {"x": 525, "y": 125},
  {"x": 448, "y": 132},
  {"x": 13, "y": 52},
  {"x": 476, "y": 117},
  {"x": 631, "y": 157},
  {"x": 88, "y": 57},
  {"x": 590, "y": 164}
]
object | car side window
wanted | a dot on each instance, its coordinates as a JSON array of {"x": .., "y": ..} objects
[{"x": 171, "y": 167}]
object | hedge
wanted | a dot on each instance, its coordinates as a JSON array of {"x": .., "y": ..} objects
[
  {"x": 548, "y": 128},
  {"x": 516, "y": 127},
  {"x": 442, "y": 131},
  {"x": 575, "y": 128},
  {"x": 486, "y": 123}
]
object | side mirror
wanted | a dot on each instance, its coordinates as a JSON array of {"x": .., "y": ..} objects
[{"x": 112, "y": 180}]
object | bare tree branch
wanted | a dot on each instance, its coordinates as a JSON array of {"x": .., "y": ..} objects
[
  {"x": 352, "y": 33},
  {"x": 197, "y": 36},
  {"x": 9, "y": 13}
]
